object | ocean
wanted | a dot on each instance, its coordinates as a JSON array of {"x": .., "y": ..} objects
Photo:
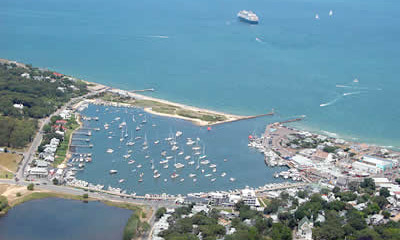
[{"x": 198, "y": 53}]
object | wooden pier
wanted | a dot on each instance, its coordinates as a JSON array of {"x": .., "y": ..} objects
[
  {"x": 89, "y": 133},
  {"x": 81, "y": 139},
  {"x": 82, "y": 146}
]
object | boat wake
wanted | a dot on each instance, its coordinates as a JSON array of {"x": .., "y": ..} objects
[
  {"x": 350, "y": 93},
  {"x": 330, "y": 102},
  {"x": 158, "y": 36},
  {"x": 259, "y": 40}
]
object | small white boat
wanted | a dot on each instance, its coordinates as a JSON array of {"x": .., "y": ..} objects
[
  {"x": 214, "y": 170},
  {"x": 213, "y": 166},
  {"x": 194, "y": 180},
  {"x": 187, "y": 157},
  {"x": 174, "y": 148},
  {"x": 182, "y": 179},
  {"x": 165, "y": 166},
  {"x": 330, "y": 13},
  {"x": 192, "y": 175},
  {"x": 202, "y": 157},
  {"x": 223, "y": 174},
  {"x": 145, "y": 147},
  {"x": 169, "y": 157},
  {"x": 208, "y": 175},
  {"x": 174, "y": 175},
  {"x": 110, "y": 150},
  {"x": 139, "y": 166},
  {"x": 204, "y": 162},
  {"x": 126, "y": 156},
  {"x": 130, "y": 143},
  {"x": 316, "y": 16},
  {"x": 131, "y": 162},
  {"x": 157, "y": 142},
  {"x": 163, "y": 161},
  {"x": 179, "y": 165},
  {"x": 157, "y": 175},
  {"x": 178, "y": 133},
  {"x": 165, "y": 180},
  {"x": 191, "y": 163},
  {"x": 213, "y": 179},
  {"x": 190, "y": 142},
  {"x": 232, "y": 179},
  {"x": 121, "y": 180},
  {"x": 137, "y": 128},
  {"x": 153, "y": 125},
  {"x": 112, "y": 171},
  {"x": 180, "y": 153}
]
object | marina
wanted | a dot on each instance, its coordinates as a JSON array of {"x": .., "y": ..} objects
[{"x": 164, "y": 152}]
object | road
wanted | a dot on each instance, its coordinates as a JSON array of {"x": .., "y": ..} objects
[
  {"x": 30, "y": 153},
  {"x": 155, "y": 204}
]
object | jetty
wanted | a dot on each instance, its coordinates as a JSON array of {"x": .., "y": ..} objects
[
  {"x": 246, "y": 118},
  {"x": 143, "y": 90},
  {"x": 81, "y": 139},
  {"x": 89, "y": 133}
]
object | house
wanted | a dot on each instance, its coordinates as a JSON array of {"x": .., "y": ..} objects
[
  {"x": 26, "y": 75},
  {"x": 200, "y": 208},
  {"x": 304, "y": 229},
  {"x": 320, "y": 155},
  {"x": 18, "y": 106},
  {"x": 41, "y": 164}
]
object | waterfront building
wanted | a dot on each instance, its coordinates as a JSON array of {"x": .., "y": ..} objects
[
  {"x": 200, "y": 208},
  {"x": 377, "y": 162},
  {"x": 249, "y": 197}
]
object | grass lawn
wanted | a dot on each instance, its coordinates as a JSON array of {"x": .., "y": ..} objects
[{"x": 8, "y": 161}]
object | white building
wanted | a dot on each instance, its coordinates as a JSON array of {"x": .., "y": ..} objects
[
  {"x": 38, "y": 172},
  {"x": 304, "y": 229},
  {"x": 18, "y": 105},
  {"x": 249, "y": 197}
]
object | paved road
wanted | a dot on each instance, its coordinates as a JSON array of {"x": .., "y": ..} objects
[
  {"x": 155, "y": 204},
  {"x": 30, "y": 153}
]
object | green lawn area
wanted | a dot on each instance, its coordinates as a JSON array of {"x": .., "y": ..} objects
[
  {"x": 6, "y": 174},
  {"x": 62, "y": 150}
]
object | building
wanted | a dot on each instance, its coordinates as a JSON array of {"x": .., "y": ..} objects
[
  {"x": 200, "y": 208},
  {"x": 38, "y": 172},
  {"x": 377, "y": 162},
  {"x": 18, "y": 106},
  {"x": 364, "y": 167},
  {"x": 304, "y": 229},
  {"x": 249, "y": 197}
]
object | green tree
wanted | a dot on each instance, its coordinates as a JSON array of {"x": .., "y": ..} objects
[
  {"x": 85, "y": 196},
  {"x": 30, "y": 187},
  {"x": 368, "y": 183},
  {"x": 384, "y": 192},
  {"x": 281, "y": 232},
  {"x": 160, "y": 212}
]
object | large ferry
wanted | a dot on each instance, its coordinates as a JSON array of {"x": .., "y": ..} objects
[{"x": 248, "y": 16}]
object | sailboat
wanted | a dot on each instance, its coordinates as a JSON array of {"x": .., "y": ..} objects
[{"x": 178, "y": 165}]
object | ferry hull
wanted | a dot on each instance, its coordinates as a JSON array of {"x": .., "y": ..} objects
[{"x": 247, "y": 20}]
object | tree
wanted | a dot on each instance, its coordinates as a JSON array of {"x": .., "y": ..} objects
[
  {"x": 384, "y": 192},
  {"x": 336, "y": 189},
  {"x": 281, "y": 232},
  {"x": 55, "y": 181},
  {"x": 273, "y": 206},
  {"x": 3, "y": 203},
  {"x": 302, "y": 194},
  {"x": 30, "y": 187},
  {"x": 85, "y": 196},
  {"x": 368, "y": 183},
  {"x": 331, "y": 229},
  {"x": 160, "y": 212},
  {"x": 398, "y": 180}
]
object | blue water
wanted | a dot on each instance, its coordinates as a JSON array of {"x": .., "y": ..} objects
[
  {"x": 54, "y": 218},
  {"x": 211, "y": 60},
  {"x": 227, "y": 141}
]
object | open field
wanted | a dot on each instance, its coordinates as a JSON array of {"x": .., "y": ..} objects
[{"x": 9, "y": 164}]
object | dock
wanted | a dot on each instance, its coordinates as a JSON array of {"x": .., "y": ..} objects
[
  {"x": 81, "y": 139},
  {"x": 143, "y": 90},
  {"x": 89, "y": 133},
  {"x": 82, "y": 146}
]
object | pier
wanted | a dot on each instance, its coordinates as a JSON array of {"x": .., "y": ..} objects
[
  {"x": 143, "y": 90},
  {"x": 89, "y": 133},
  {"x": 82, "y": 146},
  {"x": 81, "y": 139}
]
